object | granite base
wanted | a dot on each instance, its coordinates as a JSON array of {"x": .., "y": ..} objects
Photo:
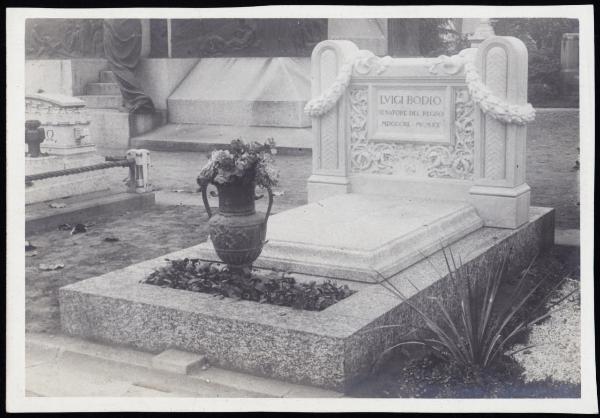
[{"x": 332, "y": 348}]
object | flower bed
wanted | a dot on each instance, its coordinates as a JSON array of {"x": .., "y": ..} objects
[{"x": 274, "y": 288}]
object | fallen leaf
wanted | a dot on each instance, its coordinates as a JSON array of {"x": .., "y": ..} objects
[
  {"x": 49, "y": 267},
  {"x": 111, "y": 239},
  {"x": 57, "y": 205},
  {"x": 78, "y": 229}
]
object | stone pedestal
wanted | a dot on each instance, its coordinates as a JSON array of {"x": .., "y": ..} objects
[{"x": 369, "y": 34}]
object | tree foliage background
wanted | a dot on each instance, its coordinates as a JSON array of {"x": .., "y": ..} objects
[
  {"x": 543, "y": 40},
  {"x": 425, "y": 37},
  {"x": 433, "y": 37}
]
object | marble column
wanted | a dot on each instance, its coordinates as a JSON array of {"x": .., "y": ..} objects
[{"x": 369, "y": 34}]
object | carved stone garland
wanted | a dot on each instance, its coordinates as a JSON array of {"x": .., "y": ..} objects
[{"x": 415, "y": 160}]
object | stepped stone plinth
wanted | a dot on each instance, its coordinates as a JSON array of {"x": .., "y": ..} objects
[{"x": 245, "y": 92}]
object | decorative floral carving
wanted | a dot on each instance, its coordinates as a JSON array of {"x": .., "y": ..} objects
[
  {"x": 494, "y": 106},
  {"x": 362, "y": 63},
  {"x": 489, "y": 103},
  {"x": 366, "y": 62},
  {"x": 407, "y": 159}
]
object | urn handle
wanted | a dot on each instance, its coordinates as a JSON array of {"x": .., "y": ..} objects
[
  {"x": 203, "y": 187},
  {"x": 270, "y": 204}
]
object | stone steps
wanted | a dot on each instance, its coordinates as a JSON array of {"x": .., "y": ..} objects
[
  {"x": 112, "y": 126},
  {"x": 103, "y": 101},
  {"x": 104, "y": 89},
  {"x": 202, "y": 138}
]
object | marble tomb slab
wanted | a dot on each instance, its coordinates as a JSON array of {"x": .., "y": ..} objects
[{"x": 360, "y": 237}]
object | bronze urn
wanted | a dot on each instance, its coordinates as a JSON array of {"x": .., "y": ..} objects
[{"x": 237, "y": 230}]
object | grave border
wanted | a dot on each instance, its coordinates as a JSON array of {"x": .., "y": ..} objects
[{"x": 332, "y": 349}]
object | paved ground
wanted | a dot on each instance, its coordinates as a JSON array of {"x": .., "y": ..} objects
[{"x": 60, "y": 366}]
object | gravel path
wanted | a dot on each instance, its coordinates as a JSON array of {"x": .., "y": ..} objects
[
  {"x": 552, "y": 142},
  {"x": 556, "y": 341}
]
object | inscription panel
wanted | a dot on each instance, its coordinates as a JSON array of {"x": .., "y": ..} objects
[
  {"x": 411, "y": 113},
  {"x": 426, "y": 159}
]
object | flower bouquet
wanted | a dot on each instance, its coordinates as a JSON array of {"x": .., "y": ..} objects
[{"x": 243, "y": 163}]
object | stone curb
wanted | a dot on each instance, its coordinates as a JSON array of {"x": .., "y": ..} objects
[
  {"x": 44, "y": 219},
  {"x": 138, "y": 368}
]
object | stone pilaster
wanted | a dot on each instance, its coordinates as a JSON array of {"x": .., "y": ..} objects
[
  {"x": 330, "y": 162},
  {"x": 500, "y": 192},
  {"x": 369, "y": 34},
  {"x": 145, "y": 50}
]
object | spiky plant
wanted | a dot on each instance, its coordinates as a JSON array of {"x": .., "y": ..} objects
[{"x": 479, "y": 329}]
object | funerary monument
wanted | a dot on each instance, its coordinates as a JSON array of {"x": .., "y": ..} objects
[{"x": 409, "y": 155}]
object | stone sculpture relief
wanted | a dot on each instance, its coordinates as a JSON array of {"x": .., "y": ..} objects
[
  {"x": 246, "y": 37},
  {"x": 407, "y": 159},
  {"x": 63, "y": 38}
]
